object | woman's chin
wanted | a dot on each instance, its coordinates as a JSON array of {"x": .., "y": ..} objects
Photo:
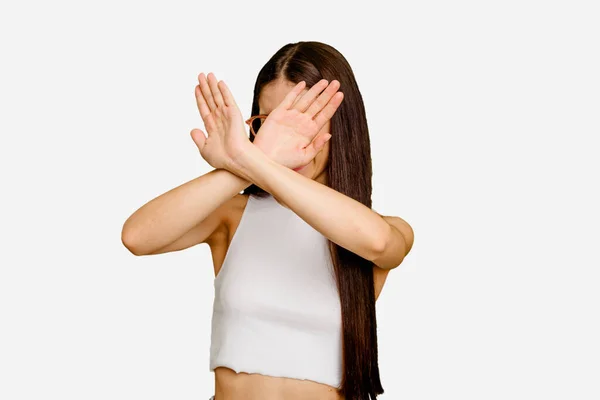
[
  {"x": 301, "y": 169},
  {"x": 306, "y": 171}
]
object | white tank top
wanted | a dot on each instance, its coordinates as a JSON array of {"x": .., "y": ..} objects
[{"x": 277, "y": 309}]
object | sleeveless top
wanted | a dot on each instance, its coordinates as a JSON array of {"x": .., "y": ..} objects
[{"x": 277, "y": 309}]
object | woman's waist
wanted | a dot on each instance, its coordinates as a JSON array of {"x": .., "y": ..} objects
[{"x": 230, "y": 385}]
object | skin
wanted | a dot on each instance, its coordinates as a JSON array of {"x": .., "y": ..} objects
[
  {"x": 228, "y": 384},
  {"x": 338, "y": 217},
  {"x": 208, "y": 209},
  {"x": 288, "y": 136},
  {"x": 270, "y": 97}
]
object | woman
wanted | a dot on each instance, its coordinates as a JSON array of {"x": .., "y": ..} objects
[{"x": 299, "y": 257}]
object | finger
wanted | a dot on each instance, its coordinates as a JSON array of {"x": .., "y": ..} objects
[
  {"x": 316, "y": 146},
  {"x": 227, "y": 96},
  {"x": 214, "y": 88},
  {"x": 205, "y": 89},
  {"x": 198, "y": 137},
  {"x": 201, "y": 103},
  {"x": 308, "y": 97},
  {"x": 329, "y": 110},
  {"x": 323, "y": 99},
  {"x": 291, "y": 96}
]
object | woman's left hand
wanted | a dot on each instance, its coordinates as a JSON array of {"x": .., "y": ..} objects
[{"x": 291, "y": 135}]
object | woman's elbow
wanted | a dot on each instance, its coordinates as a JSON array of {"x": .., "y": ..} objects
[{"x": 131, "y": 242}]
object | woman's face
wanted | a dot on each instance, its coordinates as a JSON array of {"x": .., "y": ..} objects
[{"x": 270, "y": 97}]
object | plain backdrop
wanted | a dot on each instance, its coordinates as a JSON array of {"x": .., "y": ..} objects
[{"x": 484, "y": 119}]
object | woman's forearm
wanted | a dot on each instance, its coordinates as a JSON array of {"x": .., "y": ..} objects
[
  {"x": 167, "y": 217},
  {"x": 336, "y": 216}
]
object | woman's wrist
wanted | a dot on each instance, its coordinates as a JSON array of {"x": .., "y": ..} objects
[
  {"x": 239, "y": 182},
  {"x": 242, "y": 165}
]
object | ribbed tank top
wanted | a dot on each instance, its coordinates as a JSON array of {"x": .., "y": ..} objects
[{"x": 277, "y": 310}]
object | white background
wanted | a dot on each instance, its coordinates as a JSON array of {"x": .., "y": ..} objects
[{"x": 483, "y": 120}]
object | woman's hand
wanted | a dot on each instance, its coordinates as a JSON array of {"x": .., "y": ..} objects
[
  {"x": 227, "y": 138},
  {"x": 289, "y": 134}
]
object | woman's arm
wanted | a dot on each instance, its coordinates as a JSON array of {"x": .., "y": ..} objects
[
  {"x": 189, "y": 207},
  {"x": 336, "y": 216}
]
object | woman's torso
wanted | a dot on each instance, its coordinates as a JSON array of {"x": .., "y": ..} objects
[{"x": 232, "y": 386}]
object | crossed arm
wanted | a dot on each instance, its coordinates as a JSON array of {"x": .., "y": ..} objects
[{"x": 381, "y": 239}]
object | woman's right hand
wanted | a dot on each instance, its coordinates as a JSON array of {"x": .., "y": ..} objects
[{"x": 227, "y": 139}]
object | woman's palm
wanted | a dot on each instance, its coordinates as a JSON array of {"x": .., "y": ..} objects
[
  {"x": 291, "y": 135},
  {"x": 220, "y": 146},
  {"x": 294, "y": 130},
  {"x": 226, "y": 139}
]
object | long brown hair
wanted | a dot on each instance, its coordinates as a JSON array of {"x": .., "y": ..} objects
[{"x": 349, "y": 172}]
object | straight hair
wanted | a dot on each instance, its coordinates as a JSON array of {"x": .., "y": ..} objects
[{"x": 348, "y": 171}]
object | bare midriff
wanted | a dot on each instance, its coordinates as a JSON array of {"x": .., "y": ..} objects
[{"x": 230, "y": 385}]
